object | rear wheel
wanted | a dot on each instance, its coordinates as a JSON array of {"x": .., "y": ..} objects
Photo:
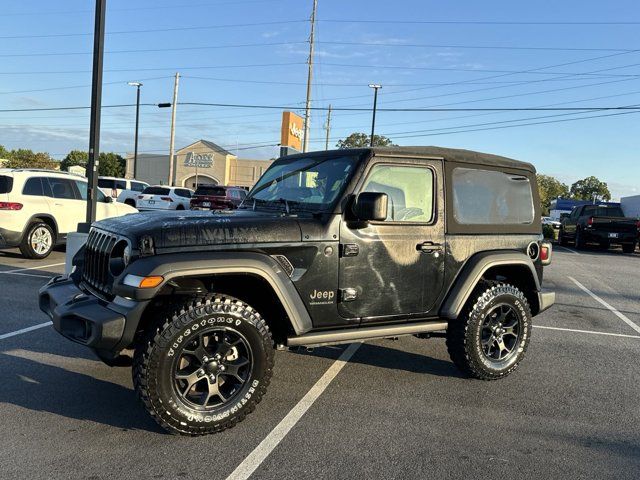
[
  {"x": 629, "y": 247},
  {"x": 491, "y": 336},
  {"x": 39, "y": 240},
  {"x": 130, "y": 202},
  {"x": 580, "y": 242},
  {"x": 180, "y": 207},
  {"x": 204, "y": 369}
]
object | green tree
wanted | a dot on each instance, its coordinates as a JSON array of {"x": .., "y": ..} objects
[
  {"x": 358, "y": 140},
  {"x": 73, "y": 158},
  {"x": 4, "y": 153},
  {"x": 111, "y": 165},
  {"x": 550, "y": 188},
  {"x": 590, "y": 188},
  {"x": 25, "y": 158}
]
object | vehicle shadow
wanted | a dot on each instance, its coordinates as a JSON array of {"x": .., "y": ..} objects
[
  {"x": 51, "y": 389},
  {"x": 394, "y": 359}
]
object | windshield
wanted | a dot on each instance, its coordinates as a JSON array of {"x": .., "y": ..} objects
[{"x": 312, "y": 184}]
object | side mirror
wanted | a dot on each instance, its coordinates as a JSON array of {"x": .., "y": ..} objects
[
  {"x": 108, "y": 199},
  {"x": 371, "y": 206}
]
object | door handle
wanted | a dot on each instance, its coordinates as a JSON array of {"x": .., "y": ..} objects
[{"x": 429, "y": 247}]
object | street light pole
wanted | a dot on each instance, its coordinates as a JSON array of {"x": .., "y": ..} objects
[
  {"x": 172, "y": 138},
  {"x": 375, "y": 104},
  {"x": 94, "y": 125},
  {"x": 135, "y": 142}
]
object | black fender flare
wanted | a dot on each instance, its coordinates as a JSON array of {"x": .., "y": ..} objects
[
  {"x": 43, "y": 216},
  {"x": 176, "y": 265},
  {"x": 472, "y": 272}
]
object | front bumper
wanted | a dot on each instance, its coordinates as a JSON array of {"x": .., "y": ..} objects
[
  {"x": 106, "y": 327},
  {"x": 545, "y": 300}
]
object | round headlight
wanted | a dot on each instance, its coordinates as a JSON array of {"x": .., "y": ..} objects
[{"x": 119, "y": 257}]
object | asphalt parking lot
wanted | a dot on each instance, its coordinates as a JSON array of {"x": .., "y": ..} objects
[{"x": 395, "y": 409}]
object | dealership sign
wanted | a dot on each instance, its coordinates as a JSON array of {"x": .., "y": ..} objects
[
  {"x": 292, "y": 131},
  {"x": 199, "y": 160}
]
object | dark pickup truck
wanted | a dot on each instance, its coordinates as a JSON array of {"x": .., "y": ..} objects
[{"x": 601, "y": 224}]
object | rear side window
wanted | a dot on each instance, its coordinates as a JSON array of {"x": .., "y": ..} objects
[
  {"x": 156, "y": 191},
  {"x": 62, "y": 188},
  {"x": 137, "y": 186},
  {"x": 106, "y": 183},
  {"x": 6, "y": 184},
  {"x": 488, "y": 197},
  {"x": 182, "y": 192},
  {"x": 33, "y": 186},
  {"x": 121, "y": 184}
]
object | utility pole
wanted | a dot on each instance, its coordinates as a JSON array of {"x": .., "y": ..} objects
[
  {"x": 375, "y": 104},
  {"x": 94, "y": 126},
  {"x": 328, "y": 128},
  {"x": 307, "y": 110},
  {"x": 172, "y": 138},
  {"x": 135, "y": 142}
]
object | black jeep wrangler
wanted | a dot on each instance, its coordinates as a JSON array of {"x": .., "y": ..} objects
[{"x": 328, "y": 248}]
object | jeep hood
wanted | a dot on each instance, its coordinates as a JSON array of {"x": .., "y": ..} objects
[{"x": 200, "y": 229}]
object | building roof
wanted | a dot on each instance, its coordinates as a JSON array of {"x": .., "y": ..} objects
[{"x": 211, "y": 145}]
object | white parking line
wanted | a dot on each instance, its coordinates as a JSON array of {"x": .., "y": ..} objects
[
  {"x": 587, "y": 331},
  {"x": 262, "y": 451},
  {"x": 25, "y": 330},
  {"x": 32, "y": 268},
  {"x": 567, "y": 249},
  {"x": 28, "y": 274},
  {"x": 621, "y": 316}
]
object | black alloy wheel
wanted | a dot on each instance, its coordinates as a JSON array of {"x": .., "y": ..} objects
[
  {"x": 500, "y": 333},
  {"x": 211, "y": 369}
]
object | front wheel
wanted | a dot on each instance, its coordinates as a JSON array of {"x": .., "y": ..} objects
[
  {"x": 491, "y": 336},
  {"x": 206, "y": 367}
]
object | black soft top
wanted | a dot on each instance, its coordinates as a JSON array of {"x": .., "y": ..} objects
[
  {"x": 447, "y": 154},
  {"x": 456, "y": 155}
]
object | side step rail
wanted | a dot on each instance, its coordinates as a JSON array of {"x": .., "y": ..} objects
[{"x": 334, "y": 337}]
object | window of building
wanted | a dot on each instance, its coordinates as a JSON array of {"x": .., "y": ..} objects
[
  {"x": 409, "y": 190},
  {"x": 488, "y": 197}
]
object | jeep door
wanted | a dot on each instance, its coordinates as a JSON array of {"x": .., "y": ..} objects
[{"x": 395, "y": 267}]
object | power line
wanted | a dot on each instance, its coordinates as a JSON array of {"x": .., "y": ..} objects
[
  {"x": 475, "y": 47},
  {"x": 203, "y": 67},
  {"x": 146, "y": 50},
  {"x": 154, "y": 30},
  {"x": 475, "y": 22}
]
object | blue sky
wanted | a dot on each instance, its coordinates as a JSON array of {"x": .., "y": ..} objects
[{"x": 256, "y": 55}]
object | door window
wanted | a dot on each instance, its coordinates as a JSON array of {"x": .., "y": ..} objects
[
  {"x": 409, "y": 190},
  {"x": 62, "y": 188}
]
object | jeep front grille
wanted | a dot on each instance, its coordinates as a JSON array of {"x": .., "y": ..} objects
[{"x": 95, "y": 272}]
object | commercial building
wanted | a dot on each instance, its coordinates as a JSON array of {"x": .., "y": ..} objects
[
  {"x": 631, "y": 206},
  {"x": 202, "y": 162}
]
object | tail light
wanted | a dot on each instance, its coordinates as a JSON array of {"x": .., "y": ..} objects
[
  {"x": 166, "y": 199},
  {"x": 10, "y": 206},
  {"x": 590, "y": 221},
  {"x": 545, "y": 253}
]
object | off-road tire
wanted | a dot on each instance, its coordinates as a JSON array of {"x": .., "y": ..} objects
[
  {"x": 161, "y": 346},
  {"x": 629, "y": 247},
  {"x": 464, "y": 335},
  {"x": 26, "y": 247}
]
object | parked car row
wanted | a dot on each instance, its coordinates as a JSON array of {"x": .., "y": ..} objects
[{"x": 38, "y": 208}]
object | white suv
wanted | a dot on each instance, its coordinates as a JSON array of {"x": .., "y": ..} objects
[
  {"x": 163, "y": 197},
  {"x": 39, "y": 207},
  {"x": 121, "y": 189}
]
